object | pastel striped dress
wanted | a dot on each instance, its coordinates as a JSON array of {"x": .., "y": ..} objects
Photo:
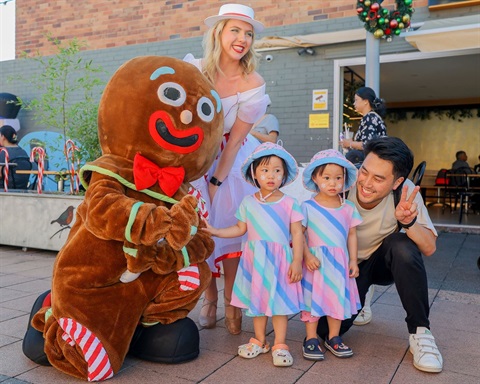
[
  {"x": 262, "y": 286},
  {"x": 329, "y": 291}
]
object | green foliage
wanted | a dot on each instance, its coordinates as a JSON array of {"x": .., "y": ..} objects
[
  {"x": 70, "y": 87},
  {"x": 454, "y": 113}
]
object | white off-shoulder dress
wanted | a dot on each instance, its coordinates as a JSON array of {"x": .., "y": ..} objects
[{"x": 248, "y": 106}]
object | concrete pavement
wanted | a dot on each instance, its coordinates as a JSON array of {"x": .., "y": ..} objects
[{"x": 380, "y": 348}]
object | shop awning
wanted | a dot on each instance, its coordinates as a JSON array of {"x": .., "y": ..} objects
[
  {"x": 312, "y": 40},
  {"x": 442, "y": 35}
]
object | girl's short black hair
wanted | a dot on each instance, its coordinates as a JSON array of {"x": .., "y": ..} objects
[{"x": 266, "y": 160}]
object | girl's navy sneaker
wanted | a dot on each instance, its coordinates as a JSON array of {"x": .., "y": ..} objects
[
  {"x": 311, "y": 350},
  {"x": 336, "y": 346}
]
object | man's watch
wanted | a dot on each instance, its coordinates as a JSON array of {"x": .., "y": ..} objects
[{"x": 215, "y": 181}]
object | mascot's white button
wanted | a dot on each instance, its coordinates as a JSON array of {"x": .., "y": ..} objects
[{"x": 186, "y": 116}]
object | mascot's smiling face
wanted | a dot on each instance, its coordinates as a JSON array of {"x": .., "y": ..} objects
[{"x": 164, "y": 109}]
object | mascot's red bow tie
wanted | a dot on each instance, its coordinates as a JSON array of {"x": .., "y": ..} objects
[{"x": 147, "y": 173}]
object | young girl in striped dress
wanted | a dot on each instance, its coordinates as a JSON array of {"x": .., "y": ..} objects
[
  {"x": 330, "y": 257},
  {"x": 267, "y": 283}
]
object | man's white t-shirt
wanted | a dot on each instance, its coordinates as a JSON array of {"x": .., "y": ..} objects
[{"x": 379, "y": 222}]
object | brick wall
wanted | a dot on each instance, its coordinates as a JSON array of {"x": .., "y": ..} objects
[
  {"x": 290, "y": 78},
  {"x": 118, "y": 23}
]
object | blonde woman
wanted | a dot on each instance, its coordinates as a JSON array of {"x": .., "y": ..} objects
[{"x": 230, "y": 62}]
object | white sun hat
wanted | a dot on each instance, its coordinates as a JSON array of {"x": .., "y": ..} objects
[
  {"x": 326, "y": 157},
  {"x": 237, "y": 12},
  {"x": 268, "y": 149}
]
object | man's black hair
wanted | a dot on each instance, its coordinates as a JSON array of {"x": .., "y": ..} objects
[{"x": 395, "y": 151}]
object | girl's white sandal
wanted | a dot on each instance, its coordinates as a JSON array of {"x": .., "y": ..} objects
[
  {"x": 253, "y": 349},
  {"x": 281, "y": 356}
]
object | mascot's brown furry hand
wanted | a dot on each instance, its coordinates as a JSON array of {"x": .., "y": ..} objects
[{"x": 160, "y": 126}]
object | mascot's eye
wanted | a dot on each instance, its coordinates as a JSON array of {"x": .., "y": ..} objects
[
  {"x": 205, "y": 109},
  {"x": 172, "y": 94}
]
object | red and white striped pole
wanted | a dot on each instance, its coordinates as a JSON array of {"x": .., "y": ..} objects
[
  {"x": 6, "y": 170},
  {"x": 69, "y": 151},
  {"x": 41, "y": 161}
]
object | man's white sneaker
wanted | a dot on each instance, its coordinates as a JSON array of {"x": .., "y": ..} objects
[
  {"x": 426, "y": 356},
  {"x": 365, "y": 315}
]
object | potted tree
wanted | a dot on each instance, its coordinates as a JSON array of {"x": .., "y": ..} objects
[{"x": 69, "y": 89}]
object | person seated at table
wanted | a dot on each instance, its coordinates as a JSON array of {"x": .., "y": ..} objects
[
  {"x": 476, "y": 168},
  {"x": 8, "y": 140},
  {"x": 460, "y": 165}
]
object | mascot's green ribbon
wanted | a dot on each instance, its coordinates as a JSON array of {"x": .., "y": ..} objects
[{"x": 136, "y": 206}]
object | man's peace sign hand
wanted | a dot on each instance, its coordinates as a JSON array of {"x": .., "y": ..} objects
[{"x": 407, "y": 210}]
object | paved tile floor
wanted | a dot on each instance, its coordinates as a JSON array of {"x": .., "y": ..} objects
[{"x": 381, "y": 347}]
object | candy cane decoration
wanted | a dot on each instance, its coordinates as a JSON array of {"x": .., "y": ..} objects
[
  {"x": 202, "y": 204},
  {"x": 41, "y": 160},
  {"x": 5, "y": 174},
  {"x": 69, "y": 151}
]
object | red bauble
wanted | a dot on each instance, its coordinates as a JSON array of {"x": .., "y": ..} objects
[
  {"x": 388, "y": 31},
  {"x": 359, "y": 10},
  {"x": 393, "y": 24},
  {"x": 375, "y": 7}
]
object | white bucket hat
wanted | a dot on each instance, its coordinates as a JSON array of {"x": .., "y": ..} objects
[
  {"x": 237, "y": 12},
  {"x": 326, "y": 157},
  {"x": 266, "y": 149}
]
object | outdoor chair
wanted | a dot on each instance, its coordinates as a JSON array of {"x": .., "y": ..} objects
[
  {"x": 418, "y": 173},
  {"x": 456, "y": 186}
]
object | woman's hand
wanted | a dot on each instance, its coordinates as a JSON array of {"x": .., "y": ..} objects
[{"x": 346, "y": 143}]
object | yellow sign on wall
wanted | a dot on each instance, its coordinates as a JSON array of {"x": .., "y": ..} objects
[
  {"x": 319, "y": 99},
  {"x": 319, "y": 120}
]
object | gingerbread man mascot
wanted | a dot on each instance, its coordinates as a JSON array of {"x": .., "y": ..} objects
[{"x": 133, "y": 266}]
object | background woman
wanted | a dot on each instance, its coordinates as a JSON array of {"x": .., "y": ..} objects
[
  {"x": 230, "y": 62},
  {"x": 371, "y": 126}
]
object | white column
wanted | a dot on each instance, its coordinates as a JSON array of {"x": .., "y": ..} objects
[{"x": 372, "y": 65}]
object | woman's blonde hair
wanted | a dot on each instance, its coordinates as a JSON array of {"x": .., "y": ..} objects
[{"x": 212, "y": 50}]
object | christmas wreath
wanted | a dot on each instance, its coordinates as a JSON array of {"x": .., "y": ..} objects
[{"x": 382, "y": 22}]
